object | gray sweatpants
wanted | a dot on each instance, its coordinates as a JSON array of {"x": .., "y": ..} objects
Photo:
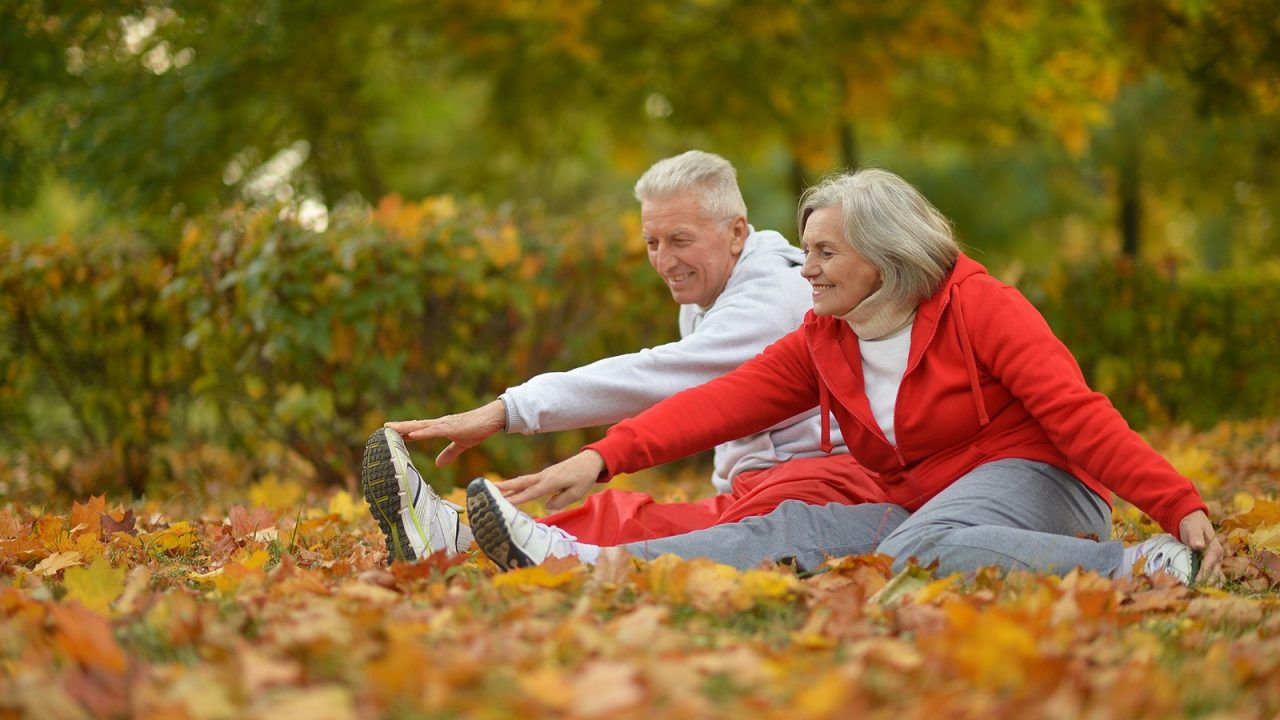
[{"x": 1009, "y": 513}]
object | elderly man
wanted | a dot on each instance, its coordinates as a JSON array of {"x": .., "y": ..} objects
[{"x": 739, "y": 290}]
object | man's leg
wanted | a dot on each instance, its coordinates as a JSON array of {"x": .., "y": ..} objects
[
  {"x": 807, "y": 533},
  {"x": 617, "y": 517},
  {"x": 816, "y": 481},
  {"x": 1016, "y": 514}
]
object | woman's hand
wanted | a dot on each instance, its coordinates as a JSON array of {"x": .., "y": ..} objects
[
  {"x": 464, "y": 430},
  {"x": 566, "y": 482},
  {"x": 1196, "y": 532}
]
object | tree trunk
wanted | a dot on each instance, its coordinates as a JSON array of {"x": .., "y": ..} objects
[{"x": 1130, "y": 200}]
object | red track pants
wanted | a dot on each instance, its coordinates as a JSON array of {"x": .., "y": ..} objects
[{"x": 617, "y": 517}]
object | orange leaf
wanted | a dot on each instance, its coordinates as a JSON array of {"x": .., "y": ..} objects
[
  {"x": 86, "y": 638},
  {"x": 88, "y": 517}
]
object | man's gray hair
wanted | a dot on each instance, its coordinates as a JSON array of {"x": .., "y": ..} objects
[
  {"x": 893, "y": 226},
  {"x": 710, "y": 175}
]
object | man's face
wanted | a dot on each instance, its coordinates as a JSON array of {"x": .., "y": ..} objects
[{"x": 694, "y": 254}]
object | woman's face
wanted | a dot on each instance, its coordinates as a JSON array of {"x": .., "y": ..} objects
[{"x": 841, "y": 278}]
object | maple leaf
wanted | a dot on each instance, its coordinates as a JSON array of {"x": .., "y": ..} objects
[
  {"x": 111, "y": 526},
  {"x": 344, "y": 507},
  {"x": 245, "y": 523},
  {"x": 274, "y": 494},
  {"x": 97, "y": 586},
  {"x": 57, "y": 562},
  {"x": 88, "y": 517}
]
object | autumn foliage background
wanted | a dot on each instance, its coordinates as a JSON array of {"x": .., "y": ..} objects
[{"x": 235, "y": 239}]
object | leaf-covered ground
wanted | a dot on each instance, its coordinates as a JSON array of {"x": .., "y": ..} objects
[{"x": 274, "y": 602}]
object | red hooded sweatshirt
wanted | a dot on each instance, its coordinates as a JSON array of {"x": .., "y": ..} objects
[{"x": 986, "y": 380}]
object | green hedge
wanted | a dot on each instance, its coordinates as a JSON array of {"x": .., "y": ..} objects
[
  {"x": 250, "y": 332},
  {"x": 1193, "y": 348},
  {"x": 255, "y": 330}
]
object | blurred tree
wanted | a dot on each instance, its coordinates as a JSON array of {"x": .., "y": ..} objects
[{"x": 165, "y": 107}]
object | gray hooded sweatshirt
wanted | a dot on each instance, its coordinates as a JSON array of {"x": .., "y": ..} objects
[{"x": 764, "y": 299}]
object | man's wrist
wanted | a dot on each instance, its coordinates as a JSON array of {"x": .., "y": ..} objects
[{"x": 497, "y": 414}]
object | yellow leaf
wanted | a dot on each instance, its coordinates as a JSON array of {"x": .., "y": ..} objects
[
  {"x": 178, "y": 536},
  {"x": 668, "y": 577},
  {"x": 930, "y": 592},
  {"x": 1267, "y": 538},
  {"x": 342, "y": 505},
  {"x": 536, "y": 577},
  {"x": 911, "y": 579},
  {"x": 275, "y": 494},
  {"x": 56, "y": 562},
  {"x": 769, "y": 584},
  {"x": 95, "y": 587}
]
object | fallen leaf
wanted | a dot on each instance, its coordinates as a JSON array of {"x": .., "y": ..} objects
[
  {"x": 88, "y": 517},
  {"x": 344, "y": 507},
  {"x": 537, "y": 577},
  {"x": 95, "y": 587},
  {"x": 245, "y": 523},
  {"x": 111, "y": 526},
  {"x": 911, "y": 579},
  {"x": 56, "y": 562},
  {"x": 271, "y": 493},
  {"x": 86, "y": 638}
]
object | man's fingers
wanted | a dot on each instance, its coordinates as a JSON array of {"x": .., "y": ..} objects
[
  {"x": 405, "y": 426},
  {"x": 449, "y": 454}
]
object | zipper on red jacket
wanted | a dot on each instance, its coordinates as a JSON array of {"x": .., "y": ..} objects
[{"x": 824, "y": 398}]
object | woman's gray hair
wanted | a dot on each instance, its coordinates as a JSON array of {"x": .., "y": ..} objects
[
  {"x": 710, "y": 175},
  {"x": 893, "y": 226}
]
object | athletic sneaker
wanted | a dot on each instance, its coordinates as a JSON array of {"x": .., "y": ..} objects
[
  {"x": 416, "y": 521},
  {"x": 1164, "y": 552},
  {"x": 509, "y": 536}
]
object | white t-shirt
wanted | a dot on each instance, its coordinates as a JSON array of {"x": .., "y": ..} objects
[{"x": 884, "y": 362}]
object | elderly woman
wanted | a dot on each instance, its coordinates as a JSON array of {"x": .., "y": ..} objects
[{"x": 947, "y": 384}]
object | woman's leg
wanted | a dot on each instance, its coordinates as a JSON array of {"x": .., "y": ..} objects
[
  {"x": 1016, "y": 514},
  {"x": 807, "y": 533}
]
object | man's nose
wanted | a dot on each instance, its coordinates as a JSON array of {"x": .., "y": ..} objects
[{"x": 664, "y": 258}]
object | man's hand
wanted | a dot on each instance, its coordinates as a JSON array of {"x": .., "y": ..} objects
[
  {"x": 464, "y": 431},
  {"x": 1196, "y": 532},
  {"x": 566, "y": 482}
]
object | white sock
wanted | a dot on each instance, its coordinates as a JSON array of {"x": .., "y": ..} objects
[
  {"x": 588, "y": 553},
  {"x": 1130, "y": 556}
]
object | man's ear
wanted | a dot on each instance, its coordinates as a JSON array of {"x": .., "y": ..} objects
[{"x": 740, "y": 231}]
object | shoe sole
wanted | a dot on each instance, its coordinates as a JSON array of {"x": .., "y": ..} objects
[
  {"x": 381, "y": 485},
  {"x": 490, "y": 531}
]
